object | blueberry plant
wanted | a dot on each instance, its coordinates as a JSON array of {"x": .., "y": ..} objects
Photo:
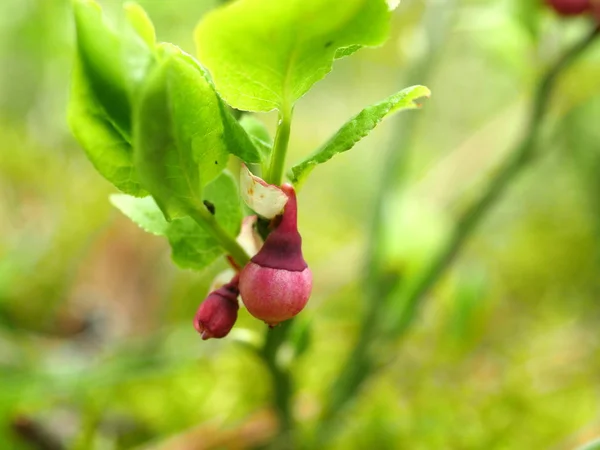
[
  {"x": 167, "y": 129},
  {"x": 159, "y": 125}
]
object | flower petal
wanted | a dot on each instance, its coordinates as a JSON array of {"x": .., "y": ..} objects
[
  {"x": 249, "y": 239},
  {"x": 266, "y": 199}
]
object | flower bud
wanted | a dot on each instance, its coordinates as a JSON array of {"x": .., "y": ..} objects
[
  {"x": 218, "y": 312},
  {"x": 570, "y": 7},
  {"x": 276, "y": 284}
]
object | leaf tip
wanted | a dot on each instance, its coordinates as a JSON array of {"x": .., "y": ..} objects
[
  {"x": 422, "y": 93},
  {"x": 141, "y": 22}
]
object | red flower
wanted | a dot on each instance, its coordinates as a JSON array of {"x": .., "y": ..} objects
[{"x": 276, "y": 284}]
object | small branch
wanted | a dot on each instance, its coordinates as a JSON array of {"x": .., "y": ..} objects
[
  {"x": 282, "y": 384},
  {"x": 521, "y": 156},
  {"x": 207, "y": 221},
  {"x": 378, "y": 285},
  {"x": 281, "y": 378},
  {"x": 282, "y": 138},
  {"x": 361, "y": 361}
]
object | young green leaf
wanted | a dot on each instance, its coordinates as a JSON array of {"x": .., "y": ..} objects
[
  {"x": 223, "y": 194},
  {"x": 359, "y": 127},
  {"x": 99, "y": 50},
  {"x": 259, "y": 135},
  {"x": 266, "y": 54},
  {"x": 193, "y": 247},
  {"x": 143, "y": 211},
  {"x": 138, "y": 47},
  {"x": 106, "y": 147},
  {"x": 178, "y": 134},
  {"x": 347, "y": 51},
  {"x": 237, "y": 140},
  {"x": 140, "y": 22},
  {"x": 108, "y": 69}
]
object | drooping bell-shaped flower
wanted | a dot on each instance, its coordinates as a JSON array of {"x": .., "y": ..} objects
[
  {"x": 218, "y": 312},
  {"x": 276, "y": 284}
]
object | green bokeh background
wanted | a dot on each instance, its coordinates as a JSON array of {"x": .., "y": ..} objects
[{"x": 97, "y": 349}]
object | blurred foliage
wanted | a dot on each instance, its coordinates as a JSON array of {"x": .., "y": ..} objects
[{"x": 97, "y": 350}]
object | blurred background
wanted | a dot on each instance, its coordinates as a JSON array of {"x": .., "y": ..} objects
[{"x": 97, "y": 348}]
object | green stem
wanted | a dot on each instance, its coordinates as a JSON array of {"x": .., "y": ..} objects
[
  {"x": 282, "y": 385},
  {"x": 437, "y": 22},
  {"x": 207, "y": 221},
  {"x": 521, "y": 156},
  {"x": 378, "y": 284},
  {"x": 281, "y": 380},
  {"x": 280, "y": 377},
  {"x": 282, "y": 138},
  {"x": 362, "y": 362}
]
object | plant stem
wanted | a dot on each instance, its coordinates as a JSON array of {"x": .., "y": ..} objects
[
  {"x": 437, "y": 22},
  {"x": 520, "y": 157},
  {"x": 282, "y": 138},
  {"x": 207, "y": 221},
  {"x": 362, "y": 359},
  {"x": 281, "y": 380},
  {"x": 280, "y": 377},
  {"x": 282, "y": 385}
]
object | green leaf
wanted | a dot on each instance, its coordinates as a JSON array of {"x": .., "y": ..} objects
[
  {"x": 141, "y": 23},
  {"x": 224, "y": 194},
  {"x": 99, "y": 50},
  {"x": 178, "y": 134},
  {"x": 193, "y": 247},
  {"x": 108, "y": 69},
  {"x": 143, "y": 211},
  {"x": 259, "y": 135},
  {"x": 137, "y": 48},
  {"x": 266, "y": 54},
  {"x": 106, "y": 147},
  {"x": 357, "y": 128},
  {"x": 237, "y": 140},
  {"x": 347, "y": 51}
]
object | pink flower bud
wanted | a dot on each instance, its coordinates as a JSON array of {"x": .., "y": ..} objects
[
  {"x": 218, "y": 312},
  {"x": 570, "y": 7},
  {"x": 276, "y": 284}
]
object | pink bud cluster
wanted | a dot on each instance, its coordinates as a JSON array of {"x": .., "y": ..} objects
[{"x": 275, "y": 285}]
